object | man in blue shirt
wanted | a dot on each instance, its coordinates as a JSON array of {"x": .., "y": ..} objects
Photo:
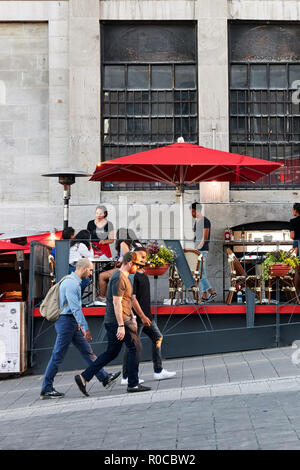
[{"x": 72, "y": 327}]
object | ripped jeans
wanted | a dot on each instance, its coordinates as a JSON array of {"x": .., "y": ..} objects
[{"x": 156, "y": 337}]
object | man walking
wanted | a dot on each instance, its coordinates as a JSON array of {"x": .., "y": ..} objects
[
  {"x": 141, "y": 303},
  {"x": 120, "y": 326},
  {"x": 72, "y": 327},
  {"x": 201, "y": 240}
]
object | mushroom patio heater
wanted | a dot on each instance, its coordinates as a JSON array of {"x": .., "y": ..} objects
[{"x": 67, "y": 178}]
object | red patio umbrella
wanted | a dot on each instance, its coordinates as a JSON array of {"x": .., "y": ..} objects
[
  {"x": 182, "y": 164},
  {"x": 11, "y": 244}
]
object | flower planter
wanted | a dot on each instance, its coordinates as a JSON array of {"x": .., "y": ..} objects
[
  {"x": 278, "y": 270},
  {"x": 156, "y": 270}
]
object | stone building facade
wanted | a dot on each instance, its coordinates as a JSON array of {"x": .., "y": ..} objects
[{"x": 52, "y": 105}]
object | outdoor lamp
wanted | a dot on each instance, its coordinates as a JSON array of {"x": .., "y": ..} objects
[{"x": 67, "y": 178}]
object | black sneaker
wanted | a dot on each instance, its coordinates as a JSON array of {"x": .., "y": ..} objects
[
  {"x": 138, "y": 388},
  {"x": 81, "y": 387},
  {"x": 211, "y": 297},
  {"x": 110, "y": 379},
  {"x": 53, "y": 394}
]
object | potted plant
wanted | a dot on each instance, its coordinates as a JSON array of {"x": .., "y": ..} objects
[
  {"x": 158, "y": 259},
  {"x": 279, "y": 263}
]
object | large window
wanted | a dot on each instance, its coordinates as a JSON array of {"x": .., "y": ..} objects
[
  {"x": 149, "y": 89},
  {"x": 264, "y": 112}
]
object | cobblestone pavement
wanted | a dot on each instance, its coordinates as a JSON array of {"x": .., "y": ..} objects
[{"x": 245, "y": 400}]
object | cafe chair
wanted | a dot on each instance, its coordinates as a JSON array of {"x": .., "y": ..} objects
[
  {"x": 239, "y": 277},
  {"x": 286, "y": 285},
  {"x": 176, "y": 286}
]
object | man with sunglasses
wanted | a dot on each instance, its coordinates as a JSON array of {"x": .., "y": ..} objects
[
  {"x": 120, "y": 326},
  {"x": 141, "y": 303}
]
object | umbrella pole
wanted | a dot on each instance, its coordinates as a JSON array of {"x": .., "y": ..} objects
[{"x": 181, "y": 215}]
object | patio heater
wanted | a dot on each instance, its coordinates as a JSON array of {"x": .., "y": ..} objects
[{"x": 67, "y": 178}]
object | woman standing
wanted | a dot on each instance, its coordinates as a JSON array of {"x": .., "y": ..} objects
[{"x": 102, "y": 231}]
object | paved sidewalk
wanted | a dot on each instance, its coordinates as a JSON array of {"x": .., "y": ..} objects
[{"x": 245, "y": 400}]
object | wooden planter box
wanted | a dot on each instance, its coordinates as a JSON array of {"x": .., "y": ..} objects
[
  {"x": 278, "y": 270},
  {"x": 156, "y": 271}
]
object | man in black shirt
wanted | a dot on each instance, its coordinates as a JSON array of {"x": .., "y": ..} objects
[
  {"x": 295, "y": 235},
  {"x": 295, "y": 225},
  {"x": 202, "y": 229},
  {"x": 141, "y": 303}
]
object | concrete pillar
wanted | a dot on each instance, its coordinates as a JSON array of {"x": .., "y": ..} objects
[
  {"x": 213, "y": 101},
  {"x": 84, "y": 97}
]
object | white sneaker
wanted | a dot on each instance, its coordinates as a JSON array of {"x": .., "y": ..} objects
[
  {"x": 125, "y": 381},
  {"x": 164, "y": 374}
]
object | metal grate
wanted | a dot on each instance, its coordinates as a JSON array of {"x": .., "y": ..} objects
[
  {"x": 148, "y": 105},
  {"x": 264, "y": 110}
]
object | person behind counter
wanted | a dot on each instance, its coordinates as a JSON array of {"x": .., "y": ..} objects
[
  {"x": 102, "y": 231},
  {"x": 295, "y": 236},
  {"x": 80, "y": 247},
  {"x": 126, "y": 240},
  {"x": 202, "y": 228},
  {"x": 67, "y": 234}
]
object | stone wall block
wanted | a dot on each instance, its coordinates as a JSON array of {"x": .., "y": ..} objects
[
  {"x": 212, "y": 42},
  {"x": 58, "y": 28},
  {"x": 29, "y": 46},
  {"x": 59, "y": 77},
  {"x": 59, "y": 128},
  {"x": 29, "y": 129},
  {"x": 6, "y": 128},
  {"x": 14, "y": 113},
  {"x": 36, "y": 78},
  {"x": 58, "y": 60},
  {"x": 27, "y": 96},
  {"x": 22, "y": 191},
  {"x": 11, "y": 147},
  {"x": 58, "y": 110},
  {"x": 83, "y": 46},
  {"x": 17, "y": 62},
  {"x": 38, "y": 113},
  {"x": 84, "y": 8},
  {"x": 11, "y": 30},
  {"x": 42, "y": 62},
  {"x": 59, "y": 146},
  {"x": 38, "y": 146},
  {"x": 31, "y": 165},
  {"x": 147, "y": 10},
  {"x": 58, "y": 44}
]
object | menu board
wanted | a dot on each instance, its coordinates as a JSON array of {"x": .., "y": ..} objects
[{"x": 12, "y": 337}]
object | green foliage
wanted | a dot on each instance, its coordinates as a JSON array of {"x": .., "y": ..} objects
[
  {"x": 158, "y": 256},
  {"x": 279, "y": 257}
]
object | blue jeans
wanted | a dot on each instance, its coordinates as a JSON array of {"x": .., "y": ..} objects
[
  {"x": 204, "y": 284},
  {"x": 154, "y": 335},
  {"x": 67, "y": 333},
  {"x": 113, "y": 348}
]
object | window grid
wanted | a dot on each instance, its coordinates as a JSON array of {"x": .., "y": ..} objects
[
  {"x": 264, "y": 120},
  {"x": 135, "y": 120}
]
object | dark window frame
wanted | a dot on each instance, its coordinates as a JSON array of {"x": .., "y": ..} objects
[
  {"x": 148, "y": 112},
  {"x": 276, "y": 109}
]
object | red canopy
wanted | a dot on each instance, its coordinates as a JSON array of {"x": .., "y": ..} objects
[
  {"x": 9, "y": 245},
  {"x": 184, "y": 163}
]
